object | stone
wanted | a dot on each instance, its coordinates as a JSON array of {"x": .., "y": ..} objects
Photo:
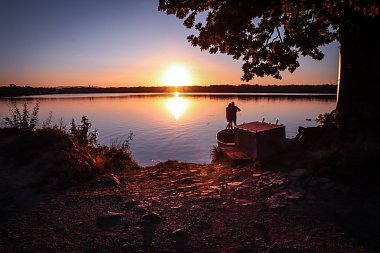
[
  {"x": 180, "y": 237},
  {"x": 110, "y": 181},
  {"x": 179, "y": 234},
  {"x": 295, "y": 196},
  {"x": 206, "y": 192},
  {"x": 278, "y": 182},
  {"x": 149, "y": 225},
  {"x": 234, "y": 183}
]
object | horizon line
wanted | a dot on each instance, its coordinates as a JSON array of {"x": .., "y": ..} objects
[{"x": 160, "y": 86}]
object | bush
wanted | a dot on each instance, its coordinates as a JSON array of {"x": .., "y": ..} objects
[
  {"x": 332, "y": 119},
  {"x": 116, "y": 157},
  {"x": 82, "y": 134},
  {"x": 22, "y": 118}
]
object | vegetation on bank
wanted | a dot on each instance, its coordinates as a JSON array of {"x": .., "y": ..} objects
[
  {"x": 13, "y": 90},
  {"x": 79, "y": 139},
  {"x": 326, "y": 149}
]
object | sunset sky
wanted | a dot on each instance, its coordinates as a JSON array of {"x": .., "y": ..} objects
[{"x": 119, "y": 43}]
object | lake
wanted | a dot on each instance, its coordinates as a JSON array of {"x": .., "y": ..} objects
[{"x": 175, "y": 126}]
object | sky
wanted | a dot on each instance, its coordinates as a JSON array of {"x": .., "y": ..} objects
[{"x": 111, "y": 43}]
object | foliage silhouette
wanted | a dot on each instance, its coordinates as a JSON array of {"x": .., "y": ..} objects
[
  {"x": 82, "y": 134},
  {"x": 116, "y": 157},
  {"x": 270, "y": 36},
  {"x": 22, "y": 118}
]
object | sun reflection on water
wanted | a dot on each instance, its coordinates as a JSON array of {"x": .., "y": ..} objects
[{"x": 177, "y": 105}]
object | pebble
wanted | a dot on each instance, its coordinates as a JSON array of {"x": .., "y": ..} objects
[
  {"x": 110, "y": 181},
  {"x": 234, "y": 183}
]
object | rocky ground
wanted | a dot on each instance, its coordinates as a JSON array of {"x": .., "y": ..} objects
[
  {"x": 182, "y": 207},
  {"x": 54, "y": 198}
]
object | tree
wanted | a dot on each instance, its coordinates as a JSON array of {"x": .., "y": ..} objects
[{"x": 270, "y": 35}]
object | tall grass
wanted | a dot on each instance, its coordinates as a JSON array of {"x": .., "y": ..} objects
[
  {"x": 118, "y": 155},
  {"x": 83, "y": 134},
  {"x": 22, "y": 118},
  {"x": 115, "y": 157}
]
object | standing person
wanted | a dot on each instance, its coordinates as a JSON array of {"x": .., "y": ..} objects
[
  {"x": 233, "y": 110},
  {"x": 228, "y": 117}
]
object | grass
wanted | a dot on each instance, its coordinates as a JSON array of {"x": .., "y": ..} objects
[{"x": 115, "y": 157}]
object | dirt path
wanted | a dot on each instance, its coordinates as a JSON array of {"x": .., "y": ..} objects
[{"x": 178, "y": 207}]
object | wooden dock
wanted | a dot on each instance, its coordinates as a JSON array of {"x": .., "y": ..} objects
[
  {"x": 259, "y": 140},
  {"x": 251, "y": 141}
]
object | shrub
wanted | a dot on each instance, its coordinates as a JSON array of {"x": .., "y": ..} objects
[
  {"x": 116, "y": 157},
  {"x": 22, "y": 118},
  {"x": 332, "y": 119},
  {"x": 82, "y": 134}
]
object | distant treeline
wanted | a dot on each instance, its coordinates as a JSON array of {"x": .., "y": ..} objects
[{"x": 13, "y": 90}]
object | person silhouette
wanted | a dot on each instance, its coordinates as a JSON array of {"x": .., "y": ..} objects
[
  {"x": 228, "y": 117},
  {"x": 233, "y": 109}
]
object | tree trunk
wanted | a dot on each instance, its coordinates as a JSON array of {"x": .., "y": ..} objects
[{"x": 358, "y": 81}]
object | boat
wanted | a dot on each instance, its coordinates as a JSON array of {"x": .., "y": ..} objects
[{"x": 225, "y": 138}]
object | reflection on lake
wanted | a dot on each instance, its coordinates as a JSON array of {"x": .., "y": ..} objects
[
  {"x": 176, "y": 126},
  {"x": 177, "y": 105}
]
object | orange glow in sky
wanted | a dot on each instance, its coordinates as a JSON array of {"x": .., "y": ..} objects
[{"x": 132, "y": 44}]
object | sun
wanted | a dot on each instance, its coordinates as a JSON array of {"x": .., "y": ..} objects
[{"x": 177, "y": 75}]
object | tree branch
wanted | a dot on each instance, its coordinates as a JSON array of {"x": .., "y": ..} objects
[{"x": 278, "y": 34}]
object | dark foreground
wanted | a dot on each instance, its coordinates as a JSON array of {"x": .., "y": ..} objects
[{"x": 178, "y": 207}]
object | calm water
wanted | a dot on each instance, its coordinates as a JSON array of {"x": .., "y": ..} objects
[{"x": 169, "y": 126}]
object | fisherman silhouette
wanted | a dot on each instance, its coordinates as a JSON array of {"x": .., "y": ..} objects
[
  {"x": 228, "y": 117},
  {"x": 231, "y": 111}
]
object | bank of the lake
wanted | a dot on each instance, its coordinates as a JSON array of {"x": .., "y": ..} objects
[
  {"x": 271, "y": 206},
  {"x": 173, "y": 126}
]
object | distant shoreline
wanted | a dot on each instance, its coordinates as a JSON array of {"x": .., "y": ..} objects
[{"x": 14, "y": 91}]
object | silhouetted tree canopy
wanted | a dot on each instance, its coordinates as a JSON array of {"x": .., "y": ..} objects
[{"x": 270, "y": 36}]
